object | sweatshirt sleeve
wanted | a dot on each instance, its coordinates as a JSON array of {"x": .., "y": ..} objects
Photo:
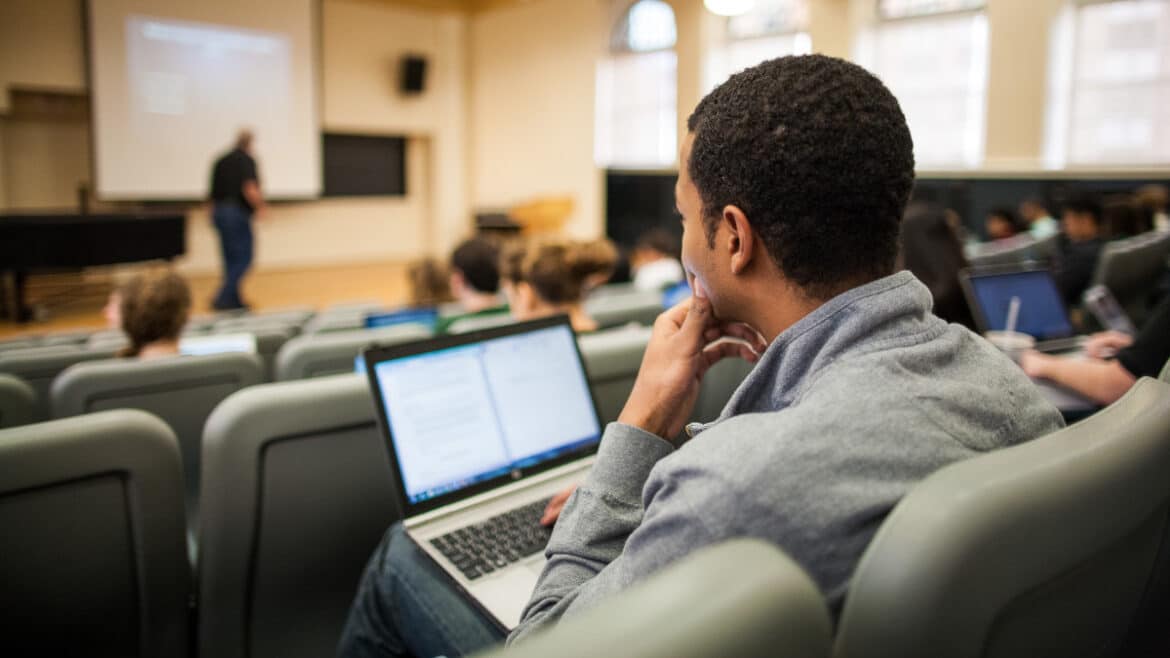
[{"x": 626, "y": 521}]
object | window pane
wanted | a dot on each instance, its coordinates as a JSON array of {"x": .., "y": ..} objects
[
  {"x": 1120, "y": 91},
  {"x": 769, "y": 17},
  {"x": 736, "y": 56},
  {"x": 908, "y": 8},
  {"x": 636, "y": 111},
  {"x": 647, "y": 25},
  {"x": 937, "y": 68}
]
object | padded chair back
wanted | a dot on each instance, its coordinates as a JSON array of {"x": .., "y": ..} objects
[
  {"x": 1165, "y": 375},
  {"x": 93, "y": 561},
  {"x": 742, "y": 598},
  {"x": 616, "y": 310},
  {"x": 298, "y": 491},
  {"x": 39, "y": 366},
  {"x": 268, "y": 343},
  {"x": 475, "y": 323},
  {"x": 1055, "y": 547},
  {"x": 612, "y": 359},
  {"x": 181, "y": 390},
  {"x": 718, "y": 385},
  {"x": 1130, "y": 269},
  {"x": 1019, "y": 251},
  {"x": 10, "y": 344},
  {"x": 313, "y": 355},
  {"x": 18, "y": 401}
]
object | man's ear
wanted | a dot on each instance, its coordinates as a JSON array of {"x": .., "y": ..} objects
[{"x": 741, "y": 239}]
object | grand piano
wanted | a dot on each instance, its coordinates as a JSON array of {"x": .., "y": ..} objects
[{"x": 48, "y": 242}]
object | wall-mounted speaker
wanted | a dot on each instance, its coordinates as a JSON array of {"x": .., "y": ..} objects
[{"x": 413, "y": 78}]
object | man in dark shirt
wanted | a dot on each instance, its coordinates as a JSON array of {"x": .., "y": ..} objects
[
  {"x": 1082, "y": 244},
  {"x": 235, "y": 197}
]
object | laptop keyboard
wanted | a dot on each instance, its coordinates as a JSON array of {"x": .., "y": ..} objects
[{"x": 493, "y": 544}]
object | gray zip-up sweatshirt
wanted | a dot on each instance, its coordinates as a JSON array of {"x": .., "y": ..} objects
[{"x": 843, "y": 414}]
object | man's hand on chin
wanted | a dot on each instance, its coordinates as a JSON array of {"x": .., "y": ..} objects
[{"x": 687, "y": 340}]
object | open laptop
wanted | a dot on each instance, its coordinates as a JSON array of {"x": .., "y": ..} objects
[
  {"x": 482, "y": 429},
  {"x": 422, "y": 316},
  {"x": 1042, "y": 312}
]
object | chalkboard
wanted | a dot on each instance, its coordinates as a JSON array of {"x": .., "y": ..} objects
[{"x": 363, "y": 165}]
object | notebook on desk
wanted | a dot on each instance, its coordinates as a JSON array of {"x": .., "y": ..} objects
[
  {"x": 1042, "y": 313},
  {"x": 482, "y": 429}
]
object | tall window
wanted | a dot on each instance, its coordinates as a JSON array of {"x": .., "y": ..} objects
[
  {"x": 1109, "y": 85},
  {"x": 932, "y": 54},
  {"x": 637, "y": 91},
  {"x": 773, "y": 28}
]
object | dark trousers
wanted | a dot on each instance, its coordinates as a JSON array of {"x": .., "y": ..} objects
[{"x": 234, "y": 223}]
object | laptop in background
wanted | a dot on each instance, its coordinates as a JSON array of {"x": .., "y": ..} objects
[
  {"x": 1042, "y": 313},
  {"x": 482, "y": 429},
  {"x": 422, "y": 316}
]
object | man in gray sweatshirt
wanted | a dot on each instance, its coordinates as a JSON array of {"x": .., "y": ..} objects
[{"x": 792, "y": 183}]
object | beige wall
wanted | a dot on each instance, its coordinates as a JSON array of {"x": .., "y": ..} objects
[
  {"x": 41, "y": 163},
  {"x": 533, "y": 68},
  {"x": 40, "y": 46}
]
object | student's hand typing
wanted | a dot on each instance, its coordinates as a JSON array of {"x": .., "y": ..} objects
[
  {"x": 1105, "y": 344},
  {"x": 553, "y": 511},
  {"x": 687, "y": 340}
]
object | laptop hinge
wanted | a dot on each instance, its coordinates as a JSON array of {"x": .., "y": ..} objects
[{"x": 494, "y": 494}]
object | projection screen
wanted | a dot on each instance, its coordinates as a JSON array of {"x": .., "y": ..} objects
[{"x": 173, "y": 81}]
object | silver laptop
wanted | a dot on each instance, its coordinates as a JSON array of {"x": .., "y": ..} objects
[{"x": 482, "y": 429}]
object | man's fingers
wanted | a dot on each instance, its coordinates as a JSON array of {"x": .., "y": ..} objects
[
  {"x": 746, "y": 333},
  {"x": 723, "y": 349},
  {"x": 698, "y": 319}
]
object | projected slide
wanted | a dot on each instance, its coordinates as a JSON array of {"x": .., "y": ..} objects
[{"x": 171, "y": 94}]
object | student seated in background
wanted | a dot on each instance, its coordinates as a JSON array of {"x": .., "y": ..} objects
[
  {"x": 792, "y": 183},
  {"x": 932, "y": 252},
  {"x": 475, "y": 280},
  {"x": 549, "y": 278},
  {"x": 1115, "y": 360},
  {"x": 1124, "y": 218},
  {"x": 655, "y": 261},
  {"x": 1040, "y": 223},
  {"x": 154, "y": 308},
  {"x": 1003, "y": 224},
  {"x": 429, "y": 283},
  {"x": 1080, "y": 248}
]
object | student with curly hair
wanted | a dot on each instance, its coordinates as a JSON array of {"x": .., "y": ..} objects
[{"x": 792, "y": 183}]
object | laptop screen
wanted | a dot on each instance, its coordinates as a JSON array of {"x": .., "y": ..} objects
[
  {"x": 1042, "y": 313},
  {"x": 473, "y": 412},
  {"x": 424, "y": 316}
]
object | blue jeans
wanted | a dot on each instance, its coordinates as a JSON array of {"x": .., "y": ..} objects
[
  {"x": 234, "y": 223},
  {"x": 406, "y": 606}
]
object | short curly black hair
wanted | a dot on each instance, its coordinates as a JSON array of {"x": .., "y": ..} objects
[
  {"x": 816, "y": 152},
  {"x": 478, "y": 260}
]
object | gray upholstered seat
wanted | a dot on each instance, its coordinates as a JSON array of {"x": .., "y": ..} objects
[
  {"x": 1055, "y": 547},
  {"x": 615, "y": 310},
  {"x": 314, "y": 355},
  {"x": 181, "y": 390},
  {"x": 1018, "y": 251},
  {"x": 1130, "y": 269},
  {"x": 92, "y": 558},
  {"x": 743, "y": 598},
  {"x": 717, "y": 386},
  {"x": 477, "y": 322},
  {"x": 23, "y": 343},
  {"x": 1165, "y": 375},
  {"x": 40, "y": 366},
  {"x": 297, "y": 491},
  {"x": 269, "y": 340},
  {"x": 18, "y": 401},
  {"x": 611, "y": 360}
]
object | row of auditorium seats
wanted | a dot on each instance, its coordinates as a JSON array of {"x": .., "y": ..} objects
[
  {"x": 291, "y": 343},
  {"x": 1056, "y": 547}
]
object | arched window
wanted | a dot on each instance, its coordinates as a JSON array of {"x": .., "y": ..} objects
[
  {"x": 771, "y": 29},
  {"x": 933, "y": 54},
  {"x": 637, "y": 90}
]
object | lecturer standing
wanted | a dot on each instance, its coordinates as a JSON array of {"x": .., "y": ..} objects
[{"x": 235, "y": 197}]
